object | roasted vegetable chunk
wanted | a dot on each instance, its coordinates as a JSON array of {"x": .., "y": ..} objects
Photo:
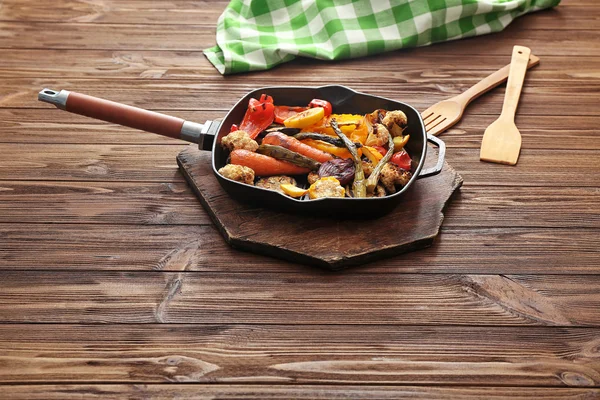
[
  {"x": 395, "y": 122},
  {"x": 239, "y": 140},
  {"x": 392, "y": 175},
  {"x": 238, "y": 173},
  {"x": 274, "y": 182},
  {"x": 326, "y": 187}
]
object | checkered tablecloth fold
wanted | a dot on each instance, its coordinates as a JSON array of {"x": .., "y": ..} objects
[{"x": 259, "y": 34}]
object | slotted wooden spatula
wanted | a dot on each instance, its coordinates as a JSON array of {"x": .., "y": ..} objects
[{"x": 502, "y": 140}]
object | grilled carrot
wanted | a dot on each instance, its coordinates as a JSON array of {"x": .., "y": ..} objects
[
  {"x": 293, "y": 144},
  {"x": 265, "y": 165}
]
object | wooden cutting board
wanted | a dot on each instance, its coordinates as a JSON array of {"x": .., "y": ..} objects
[{"x": 329, "y": 243}]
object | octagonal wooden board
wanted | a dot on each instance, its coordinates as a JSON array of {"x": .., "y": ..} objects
[{"x": 329, "y": 243}]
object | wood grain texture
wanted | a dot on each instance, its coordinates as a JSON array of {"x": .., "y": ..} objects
[
  {"x": 311, "y": 297},
  {"x": 186, "y": 12},
  {"x": 90, "y": 162},
  {"x": 418, "y": 65},
  {"x": 79, "y": 247},
  {"x": 119, "y": 163},
  {"x": 292, "y": 392},
  {"x": 352, "y": 354},
  {"x": 174, "y": 12},
  {"x": 173, "y": 203},
  {"x": 576, "y": 99},
  {"x": 78, "y": 35},
  {"x": 329, "y": 243},
  {"x": 98, "y": 227}
]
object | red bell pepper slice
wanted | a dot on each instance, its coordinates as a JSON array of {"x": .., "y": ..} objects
[
  {"x": 259, "y": 116},
  {"x": 284, "y": 112},
  {"x": 322, "y": 103}
]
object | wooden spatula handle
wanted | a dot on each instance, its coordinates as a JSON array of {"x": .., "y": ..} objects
[
  {"x": 516, "y": 76},
  {"x": 491, "y": 81}
]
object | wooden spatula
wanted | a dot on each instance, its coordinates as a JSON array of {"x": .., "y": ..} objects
[
  {"x": 502, "y": 140},
  {"x": 446, "y": 113}
]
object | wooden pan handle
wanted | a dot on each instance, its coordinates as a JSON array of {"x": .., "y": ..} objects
[
  {"x": 122, "y": 114},
  {"x": 132, "y": 117}
]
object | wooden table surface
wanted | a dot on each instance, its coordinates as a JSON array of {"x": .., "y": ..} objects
[{"x": 114, "y": 282}]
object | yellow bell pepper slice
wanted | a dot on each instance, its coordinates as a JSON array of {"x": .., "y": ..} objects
[
  {"x": 293, "y": 191},
  {"x": 305, "y": 118},
  {"x": 347, "y": 123},
  {"x": 372, "y": 154},
  {"x": 400, "y": 142}
]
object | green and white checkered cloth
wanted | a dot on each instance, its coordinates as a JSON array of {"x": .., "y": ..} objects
[{"x": 259, "y": 34}]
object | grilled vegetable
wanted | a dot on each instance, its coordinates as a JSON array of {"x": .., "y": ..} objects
[
  {"x": 322, "y": 103},
  {"x": 341, "y": 169},
  {"x": 292, "y": 190},
  {"x": 259, "y": 116},
  {"x": 402, "y": 159},
  {"x": 264, "y": 165},
  {"x": 374, "y": 177},
  {"x": 279, "y": 139},
  {"x": 372, "y": 154},
  {"x": 282, "y": 129},
  {"x": 400, "y": 142},
  {"x": 284, "y": 112},
  {"x": 392, "y": 175},
  {"x": 358, "y": 187},
  {"x": 324, "y": 138},
  {"x": 274, "y": 182},
  {"x": 281, "y": 153},
  {"x": 305, "y": 118},
  {"x": 341, "y": 152},
  {"x": 238, "y": 173},
  {"x": 326, "y": 187},
  {"x": 239, "y": 140},
  {"x": 395, "y": 122}
]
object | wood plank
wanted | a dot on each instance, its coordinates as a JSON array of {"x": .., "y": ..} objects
[
  {"x": 299, "y": 392},
  {"x": 90, "y": 162},
  {"x": 149, "y": 163},
  {"x": 351, "y": 354},
  {"x": 177, "y": 12},
  {"x": 164, "y": 203},
  {"x": 299, "y": 298},
  {"x": 201, "y": 248},
  {"x": 45, "y": 35},
  {"x": 172, "y": 203},
  {"x": 418, "y": 65},
  {"x": 187, "y": 12},
  {"x": 53, "y": 127},
  {"x": 575, "y": 99},
  {"x": 548, "y": 168}
]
